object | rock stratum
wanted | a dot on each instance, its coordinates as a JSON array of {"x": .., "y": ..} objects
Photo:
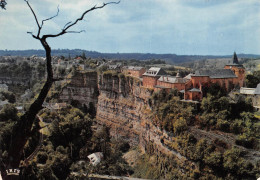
[{"x": 124, "y": 105}]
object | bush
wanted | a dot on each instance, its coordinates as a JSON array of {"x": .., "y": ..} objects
[
  {"x": 232, "y": 160},
  {"x": 223, "y": 125},
  {"x": 42, "y": 157},
  {"x": 237, "y": 126},
  {"x": 9, "y": 112},
  {"x": 214, "y": 159},
  {"x": 179, "y": 126},
  {"x": 245, "y": 141}
]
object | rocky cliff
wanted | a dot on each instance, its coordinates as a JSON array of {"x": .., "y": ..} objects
[
  {"x": 123, "y": 105},
  {"x": 81, "y": 87}
]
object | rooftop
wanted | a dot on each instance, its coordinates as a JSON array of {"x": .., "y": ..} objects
[
  {"x": 250, "y": 91},
  {"x": 162, "y": 87},
  {"x": 172, "y": 79},
  {"x": 194, "y": 90},
  {"x": 136, "y": 68},
  {"x": 188, "y": 76},
  {"x": 235, "y": 61},
  {"x": 257, "y": 89},
  {"x": 216, "y": 73},
  {"x": 155, "y": 71}
]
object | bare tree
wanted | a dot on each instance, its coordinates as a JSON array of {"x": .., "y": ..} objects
[{"x": 23, "y": 128}]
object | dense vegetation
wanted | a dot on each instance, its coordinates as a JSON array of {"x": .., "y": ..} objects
[
  {"x": 215, "y": 157},
  {"x": 195, "y": 131},
  {"x": 252, "y": 80},
  {"x": 67, "y": 141},
  {"x": 170, "y": 58},
  {"x": 7, "y": 95}
]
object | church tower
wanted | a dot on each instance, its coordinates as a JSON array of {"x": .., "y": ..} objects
[
  {"x": 238, "y": 69},
  {"x": 235, "y": 59}
]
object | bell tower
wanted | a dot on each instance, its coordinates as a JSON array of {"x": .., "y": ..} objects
[{"x": 238, "y": 69}]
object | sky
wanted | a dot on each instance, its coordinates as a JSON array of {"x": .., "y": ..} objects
[{"x": 183, "y": 27}]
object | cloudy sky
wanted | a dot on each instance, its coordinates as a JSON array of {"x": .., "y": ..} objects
[{"x": 201, "y": 27}]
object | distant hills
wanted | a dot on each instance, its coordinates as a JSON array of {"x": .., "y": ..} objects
[{"x": 170, "y": 58}]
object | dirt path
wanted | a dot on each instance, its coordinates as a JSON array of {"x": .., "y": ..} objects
[{"x": 29, "y": 158}]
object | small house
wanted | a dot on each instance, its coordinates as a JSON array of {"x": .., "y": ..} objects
[
  {"x": 134, "y": 71},
  {"x": 95, "y": 158},
  {"x": 58, "y": 106}
]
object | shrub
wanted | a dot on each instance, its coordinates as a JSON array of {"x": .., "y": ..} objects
[
  {"x": 179, "y": 126},
  {"x": 42, "y": 157},
  {"x": 245, "y": 141},
  {"x": 223, "y": 125}
]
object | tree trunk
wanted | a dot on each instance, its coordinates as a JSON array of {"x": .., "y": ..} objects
[{"x": 22, "y": 129}]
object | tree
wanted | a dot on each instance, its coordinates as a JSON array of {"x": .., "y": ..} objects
[
  {"x": 253, "y": 79},
  {"x": 3, "y": 4},
  {"x": 83, "y": 55},
  {"x": 9, "y": 112},
  {"x": 22, "y": 128}
]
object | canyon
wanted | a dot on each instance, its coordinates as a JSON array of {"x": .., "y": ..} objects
[
  {"x": 123, "y": 105},
  {"x": 126, "y": 107}
]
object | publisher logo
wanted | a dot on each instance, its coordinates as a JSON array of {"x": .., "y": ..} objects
[{"x": 12, "y": 172}]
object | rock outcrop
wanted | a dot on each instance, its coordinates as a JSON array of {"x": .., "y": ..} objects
[
  {"x": 81, "y": 87},
  {"x": 123, "y": 105}
]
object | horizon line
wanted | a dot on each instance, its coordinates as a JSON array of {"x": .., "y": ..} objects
[{"x": 133, "y": 52}]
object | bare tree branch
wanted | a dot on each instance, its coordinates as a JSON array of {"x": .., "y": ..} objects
[
  {"x": 35, "y": 37},
  {"x": 35, "y": 17},
  {"x": 58, "y": 10},
  {"x": 76, "y": 31},
  {"x": 23, "y": 128},
  {"x": 89, "y": 10},
  {"x": 66, "y": 25},
  {"x": 69, "y": 24}
]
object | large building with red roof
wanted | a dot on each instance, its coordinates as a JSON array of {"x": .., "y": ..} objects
[{"x": 230, "y": 77}]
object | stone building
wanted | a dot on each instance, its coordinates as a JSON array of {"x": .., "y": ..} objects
[
  {"x": 134, "y": 71},
  {"x": 253, "y": 93},
  {"x": 238, "y": 70},
  {"x": 172, "y": 82},
  {"x": 230, "y": 77},
  {"x": 95, "y": 158},
  {"x": 151, "y": 76}
]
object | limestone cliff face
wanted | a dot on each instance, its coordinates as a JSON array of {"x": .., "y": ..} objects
[
  {"x": 123, "y": 105},
  {"x": 81, "y": 87}
]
